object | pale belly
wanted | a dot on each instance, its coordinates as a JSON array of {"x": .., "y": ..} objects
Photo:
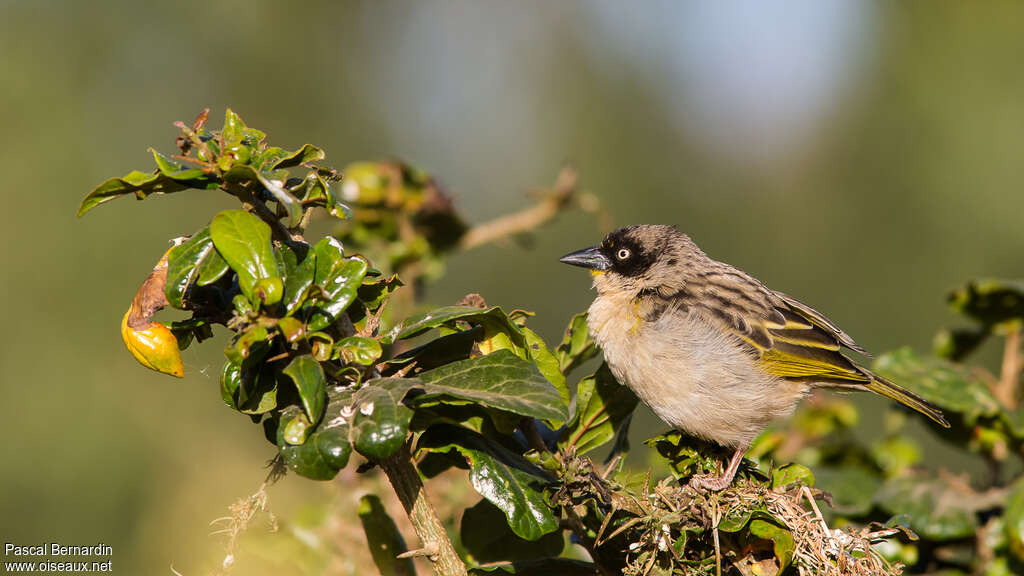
[{"x": 694, "y": 376}]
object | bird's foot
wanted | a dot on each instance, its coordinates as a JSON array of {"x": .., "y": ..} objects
[{"x": 709, "y": 483}]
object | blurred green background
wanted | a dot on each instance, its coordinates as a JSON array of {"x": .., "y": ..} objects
[{"x": 864, "y": 157}]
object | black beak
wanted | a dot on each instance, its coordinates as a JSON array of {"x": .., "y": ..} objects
[{"x": 591, "y": 258}]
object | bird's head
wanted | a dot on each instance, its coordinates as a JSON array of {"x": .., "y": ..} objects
[{"x": 639, "y": 258}]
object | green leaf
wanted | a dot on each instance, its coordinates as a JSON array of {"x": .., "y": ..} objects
[
  {"x": 335, "y": 206},
  {"x": 234, "y": 128},
  {"x": 786, "y": 476},
  {"x": 339, "y": 280},
  {"x": 308, "y": 153},
  {"x": 500, "y": 380},
  {"x": 603, "y": 406},
  {"x": 358, "y": 350},
  {"x": 326, "y": 450},
  {"x": 290, "y": 203},
  {"x": 249, "y": 386},
  {"x": 486, "y": 535},
  {"x": 493, "y": 320},
  {"x": 243, "y": 240},
  {"x": 253, "y": 337},
  {"x": 383, "y": 538},
  {"x": 937, "y": 510},
  {"x": 955, "y": 388},
  {"x": 176, "y": 170},
  {"x": 300, "y": 450},
  {"x": 547, "y": 363},
  {"x": 142, "y": 184},
  {"x": 298, "y": 277},
  {"x": 1014, "y": 520},
  {"x": 577, "y": 346},
  {"x": 441, "y": 351},
  {"x": 310, "y": 383},
  {"x": 504, "y": 478},
  {"x": 380, "y": 420},
  {"x": 193, "y": 261},
  {"x": 292, "y": 329},
  {"x": 373, "y": 293},
  {"x": 782, "y": 540}
]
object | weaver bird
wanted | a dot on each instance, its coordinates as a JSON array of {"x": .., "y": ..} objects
[{"x": 710, "y": 349}]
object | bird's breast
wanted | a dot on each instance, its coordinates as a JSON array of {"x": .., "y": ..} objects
[{"x": 692, "y": 374}]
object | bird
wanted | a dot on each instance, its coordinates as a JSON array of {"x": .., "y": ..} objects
[{"x": 710, "y": 349}]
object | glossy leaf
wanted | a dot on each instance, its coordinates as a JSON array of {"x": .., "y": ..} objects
[
  {"x": 249, "y": 386},
  {"x": 373, "y": 293},
  {"x": 298, "y": 276},
  {"x": 243, "y": 240},
  {"x": 194, "y": 261},
  {"x": 310, "y": 383},
  {"x": 299, "y": 449},
  {"x": 141, "y": 184},
  {"x": 500, "y": 380},
  {"x": 577, "y": 346},
  {"x": 486, "y": 535},
  {"x": 383, "y": 538},
  {"x": 493, "y": 319},
  {"x": 603, "y": 406},
  {"x": 326, "y": 450},
  {"x": 955, "y": 388},
  {"x": 240, "y": 348},
  {"x": 176, "y": 170},
  {"x": 308, "y": 153},
  {"x": 339, "y": 280},
  {"x": 504, "y": 478},
  {"x": 358, "y": 350},
  {"x": 380, "y": 419},
  {"x": 546, "y": 362},
  {"x": 782, "y": 540},
  {"x": 788, "y": 475}
]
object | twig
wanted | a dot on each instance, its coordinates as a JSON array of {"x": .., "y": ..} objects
[
  {"x": 1006, "y": 389},
  {"x": 551, "y": 202},
  {"x": 405, "y": 479}
]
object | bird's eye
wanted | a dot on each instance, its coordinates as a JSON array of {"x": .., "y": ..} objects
[{"x": 622, "y": 254}]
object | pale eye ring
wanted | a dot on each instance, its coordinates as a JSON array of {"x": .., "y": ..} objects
[{"x": 623, "y": 253}]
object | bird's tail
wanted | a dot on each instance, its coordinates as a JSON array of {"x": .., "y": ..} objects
[{"x": 883, "y": 387}]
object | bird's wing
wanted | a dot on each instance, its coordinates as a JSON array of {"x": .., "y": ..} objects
[{"x": 793, "y": 341}]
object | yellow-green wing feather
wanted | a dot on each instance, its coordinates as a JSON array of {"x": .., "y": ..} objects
[{"x": 793, "y": 340}]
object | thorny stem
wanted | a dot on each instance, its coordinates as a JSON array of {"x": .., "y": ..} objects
[
  {"x": 437, "y": 547},
  {"x": 1013, "y": 362}
]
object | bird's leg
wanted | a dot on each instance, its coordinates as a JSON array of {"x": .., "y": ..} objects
[{"x": 717, "y": 483}]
